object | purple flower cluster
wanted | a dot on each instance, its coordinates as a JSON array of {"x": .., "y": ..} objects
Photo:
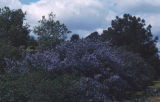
[
  {"x": 82, "y": 56},
  {"x": 94, "y": 59},
  {"x": 46, "y": 61}
]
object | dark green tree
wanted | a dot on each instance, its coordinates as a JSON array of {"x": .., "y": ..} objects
[
  {"x": 14, "y": 35},
  {"x": 131, "y": 32},
  {"x": 13, "y": 30},
  {"x": 93, "y": 36},
  {"x": 50, "y": 32},
  {"x": 75, "y": 37},
  {"x": 8, "y": 51},
  {"x": 38, "y": 86}
]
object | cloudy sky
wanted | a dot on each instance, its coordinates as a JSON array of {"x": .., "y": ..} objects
[{"x": 85, "y": 16}]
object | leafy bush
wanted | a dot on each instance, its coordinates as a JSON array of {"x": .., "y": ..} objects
[
  {"x": 38, "y": 87},
  {"x": 90, "y": 59},
  {"x": 8, "y": 51}
]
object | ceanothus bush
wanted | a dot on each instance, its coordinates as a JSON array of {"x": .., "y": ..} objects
[{"x": 98, "y": 60}]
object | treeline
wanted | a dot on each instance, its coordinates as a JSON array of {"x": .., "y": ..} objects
[{"x": 99, "y": 68}]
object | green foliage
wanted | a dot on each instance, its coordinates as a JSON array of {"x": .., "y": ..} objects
[
  {"x": 130, "y": 31},
  {"x": 14, "y": 34},
  {"x": 75, "y": 37},
  {"x": 49, "y": 76},
  {"x": 13, "y": 31},
  {"x": 37, "y": 87},
  {"x": 50, "y": 32},
  {"x": 8, "y": 51},
  {"x": 93, "y": 36}
]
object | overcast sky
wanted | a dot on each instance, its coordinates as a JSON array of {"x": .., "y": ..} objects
[{"x": 85, "y": 16}]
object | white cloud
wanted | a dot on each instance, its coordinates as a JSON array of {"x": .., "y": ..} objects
[
  {"x": 85, "y": 16},
  {"x": 158, "y": 46},
  {"x": 154, "y": 21},
  {"x": 66, "y": 10}
]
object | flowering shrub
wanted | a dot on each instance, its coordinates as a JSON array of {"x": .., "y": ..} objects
[{"x": 97, "y": 60}]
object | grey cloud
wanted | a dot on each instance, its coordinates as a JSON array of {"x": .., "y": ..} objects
[
  {"x": 86, "y": 22},
  {"x": 145, "y": 8},
  {"x": 89, "y": 15}
]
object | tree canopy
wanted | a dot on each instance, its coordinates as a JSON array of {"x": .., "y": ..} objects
[
  {"x": 74, "y": 37},
  {"x": 93, "y": 36},
  {"x": 13, "y": 30},
  {"x": 14, "y": 34},
  {"x": 50, "y": 31},
  {"x": 131, "y": 31}
]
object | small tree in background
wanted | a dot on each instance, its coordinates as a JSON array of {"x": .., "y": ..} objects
[
  {"x": 94, "y": 36},
  {"x": 75, "y": 37},
  {"x": 50, "y": 32}
]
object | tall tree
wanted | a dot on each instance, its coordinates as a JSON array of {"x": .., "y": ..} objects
[
  {"x": 50, "y": 32},
  {"x": 132, "y": 33},
  {"x": 14, "y": 33},
  {"x": 12, "y": 27}
]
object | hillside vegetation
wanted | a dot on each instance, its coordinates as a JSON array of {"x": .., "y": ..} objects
[{"x": 105, "y": 67}]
